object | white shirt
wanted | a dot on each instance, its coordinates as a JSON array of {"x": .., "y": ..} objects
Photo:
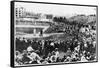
[
  {"x": 56, "y": 54},
  {"x": 83, "y": 59},
  {"x": 29, "y": 48}
]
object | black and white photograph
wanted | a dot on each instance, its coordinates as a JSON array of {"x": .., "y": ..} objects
[{"x": 51, "y": 33}]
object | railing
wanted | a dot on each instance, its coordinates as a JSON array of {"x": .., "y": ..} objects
[{"x": 32, "y": 23}]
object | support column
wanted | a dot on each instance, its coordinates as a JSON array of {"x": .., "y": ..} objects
[{"x": 41, "y": 32}]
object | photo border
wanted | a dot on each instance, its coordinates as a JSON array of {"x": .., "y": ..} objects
[{"x": 12, "y": 52}]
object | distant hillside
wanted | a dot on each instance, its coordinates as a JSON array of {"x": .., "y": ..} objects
[{"x": 83, "y": 18}]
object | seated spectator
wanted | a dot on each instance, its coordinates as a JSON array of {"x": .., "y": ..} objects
[
  {"x": 18, "y": 58},
  {"x": 34, "y": 57}
]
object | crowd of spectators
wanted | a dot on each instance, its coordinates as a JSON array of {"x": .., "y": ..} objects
[{"x": 81, "y": 48}]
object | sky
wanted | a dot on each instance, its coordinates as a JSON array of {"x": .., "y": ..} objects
[{"x": 60, "y": 10}]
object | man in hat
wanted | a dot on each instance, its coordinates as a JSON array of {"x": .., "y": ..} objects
[
  {"x": 32, "y": 55},
  {"x": 56, "y": 53}
]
